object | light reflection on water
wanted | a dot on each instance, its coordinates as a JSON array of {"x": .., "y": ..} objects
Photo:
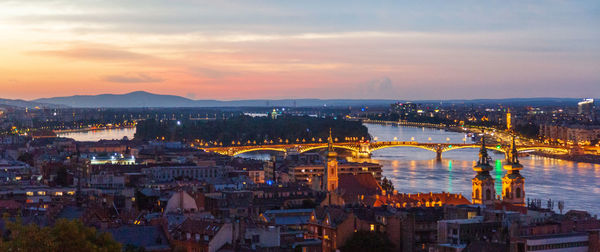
[{"x": 416, "y": 170}]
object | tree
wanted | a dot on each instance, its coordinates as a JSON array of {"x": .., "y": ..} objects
[
  {"x": 368, "y": 242},
  {"x": 308, "y": 203},
  {"x": 62, "y": 176},
  {"x": 65, "y": 235},
  {"x": 26, "y": 158},
  {"x": 387, "y": 185}
]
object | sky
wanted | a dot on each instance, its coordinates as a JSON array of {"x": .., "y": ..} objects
[{"x": 231, "y": 50}]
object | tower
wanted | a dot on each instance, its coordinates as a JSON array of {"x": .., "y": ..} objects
[
  {"x": 274, "y": 114},
  {"x": 330, "y": 176},
  {"x": 513, "y": 183},
  {"x": 483, "y": 183},
  {"x": 508, "y": 120}
]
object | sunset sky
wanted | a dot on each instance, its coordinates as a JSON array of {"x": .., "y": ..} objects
[{"x": 301, "y": 49}]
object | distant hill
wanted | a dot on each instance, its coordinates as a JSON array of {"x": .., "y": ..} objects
[
  {"x": 140, "y": 99},
  {"x": 26, "y": 104},
  {"x": 130, "y": 100}
]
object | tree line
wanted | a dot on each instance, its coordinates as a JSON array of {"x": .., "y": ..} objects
[{"x": 241, "y": 129}]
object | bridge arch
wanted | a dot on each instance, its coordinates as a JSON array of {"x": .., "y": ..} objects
[
  {"x": 474, "y": 147},
  {"x": 350, "y": 148},
  {"x": 429, "y": 148},
  {"x": 235, "y": 153}
]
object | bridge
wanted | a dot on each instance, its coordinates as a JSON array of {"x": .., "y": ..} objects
[{"x": 364, "y": 149}]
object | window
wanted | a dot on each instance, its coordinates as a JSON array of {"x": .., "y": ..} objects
[
  {"x": 372, "y": 227},
  {"x": 488, "y": 194},
  {"x": 518, "y": 192}
]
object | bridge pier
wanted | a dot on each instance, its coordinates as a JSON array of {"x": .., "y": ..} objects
[
  {"x": 438, "y": 152},
  {"x": 364, "y": 150},
  {"x": 362, "y": 154},
  {"x": 438, "y": 155}
]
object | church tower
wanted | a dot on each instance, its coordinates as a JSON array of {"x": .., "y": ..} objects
[
  {"x": 330, "y": 175},
  {"x": 513, "y": 183},
  {"x": 483, "y": 183}
]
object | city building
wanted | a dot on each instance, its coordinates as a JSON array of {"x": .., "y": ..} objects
[
  {"x": 305, "y": 174},
  {"x": 169, "y": 173},
  {"x": 202, "y": 235},
  {"x": 586, "y": 107}
]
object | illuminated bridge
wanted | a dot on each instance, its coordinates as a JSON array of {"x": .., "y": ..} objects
[{"x": 364, "y": 149}]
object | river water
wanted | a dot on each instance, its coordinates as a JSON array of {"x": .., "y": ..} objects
[
  {"x": 415, "y": 170},
  {"x": 96, "y": 135}
]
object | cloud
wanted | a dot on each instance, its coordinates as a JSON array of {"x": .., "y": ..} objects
[
  {"x": 132, "y": 78},
  {"x": 93, "y": 52},
  {"x": 211, "y": 73}
]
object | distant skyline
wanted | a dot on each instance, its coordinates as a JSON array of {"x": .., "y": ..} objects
[{"x": 301, "y": 49}]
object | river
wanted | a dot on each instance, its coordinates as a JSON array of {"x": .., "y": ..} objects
[
  {"x": 416, "y": 170},
  {"x": 96, "y": 135}
]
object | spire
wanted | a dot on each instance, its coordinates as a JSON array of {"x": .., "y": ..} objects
[
  {"x": 330, "y": 142},
  {"x": 513, "y": 158},
  {"x": 483, "y": 164},
  {"x": 513, "y": 152},
  {"x": 483, "y": 155}
]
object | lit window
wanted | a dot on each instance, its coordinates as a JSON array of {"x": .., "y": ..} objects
[
  {"x": 58, "y": 193},
  {"x": 372, "y": 227},
  {"x": 29, "y": 193},
  {"x": 41, "y": 193}
]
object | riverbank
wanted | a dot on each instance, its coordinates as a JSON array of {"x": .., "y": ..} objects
[{"x": 592, "y": 159}]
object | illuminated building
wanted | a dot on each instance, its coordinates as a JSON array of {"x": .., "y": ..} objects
[
  {"x": 330, "y": 175},
  {"x": 304, "y": 174},
  {"x": 274, "y": 114},
  {"x": 513, "y": 183},
  {"x": 585, "y": 107},
  {"x": 508, "y": 120},
  {"x": 483, "y": 183}
]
